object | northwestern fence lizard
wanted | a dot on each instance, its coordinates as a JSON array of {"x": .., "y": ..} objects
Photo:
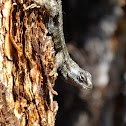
[{"x": 69, "y": 70}]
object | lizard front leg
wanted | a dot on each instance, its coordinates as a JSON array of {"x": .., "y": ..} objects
[{"x": 59, "y": 60}]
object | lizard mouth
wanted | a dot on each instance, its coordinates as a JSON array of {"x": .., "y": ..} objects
[{"x": 88, "y": 84}]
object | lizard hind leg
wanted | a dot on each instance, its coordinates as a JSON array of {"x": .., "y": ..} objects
[
  {"x": 50, "y": 5},
  {"x": 51, "y": 27}
]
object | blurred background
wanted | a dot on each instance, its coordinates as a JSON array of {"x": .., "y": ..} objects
[{"x": 95, "y": 33}]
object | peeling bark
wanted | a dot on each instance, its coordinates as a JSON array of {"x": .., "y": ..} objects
[{"x": 26, "y": 59}]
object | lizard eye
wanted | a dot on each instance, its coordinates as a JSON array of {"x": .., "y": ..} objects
[{"x": 82, "y": 78}]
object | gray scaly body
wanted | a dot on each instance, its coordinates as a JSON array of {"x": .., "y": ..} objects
[{"x": 70, "y": 70}]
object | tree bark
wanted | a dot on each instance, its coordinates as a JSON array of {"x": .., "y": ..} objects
[{"x": 26, "y": 59}]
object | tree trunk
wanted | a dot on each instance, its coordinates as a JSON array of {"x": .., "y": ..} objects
[{"x": 26, "y": 59}]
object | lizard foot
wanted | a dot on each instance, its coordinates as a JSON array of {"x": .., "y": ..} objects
[
  {"x": 53, "y": 72},
  {"x": 31, "y": 7}
]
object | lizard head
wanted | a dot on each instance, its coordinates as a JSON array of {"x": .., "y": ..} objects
[
  {"x": 80, "y": 78},
  {"x": 84, "y": 79}
]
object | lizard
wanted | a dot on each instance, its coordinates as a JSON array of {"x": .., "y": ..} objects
[{"x": 69, "y": 69}]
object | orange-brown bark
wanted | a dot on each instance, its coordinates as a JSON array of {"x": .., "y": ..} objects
[{"x": 26, "y": 59}]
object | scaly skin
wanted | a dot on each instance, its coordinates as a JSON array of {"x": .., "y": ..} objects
[{"x": 69, "y": 70}]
